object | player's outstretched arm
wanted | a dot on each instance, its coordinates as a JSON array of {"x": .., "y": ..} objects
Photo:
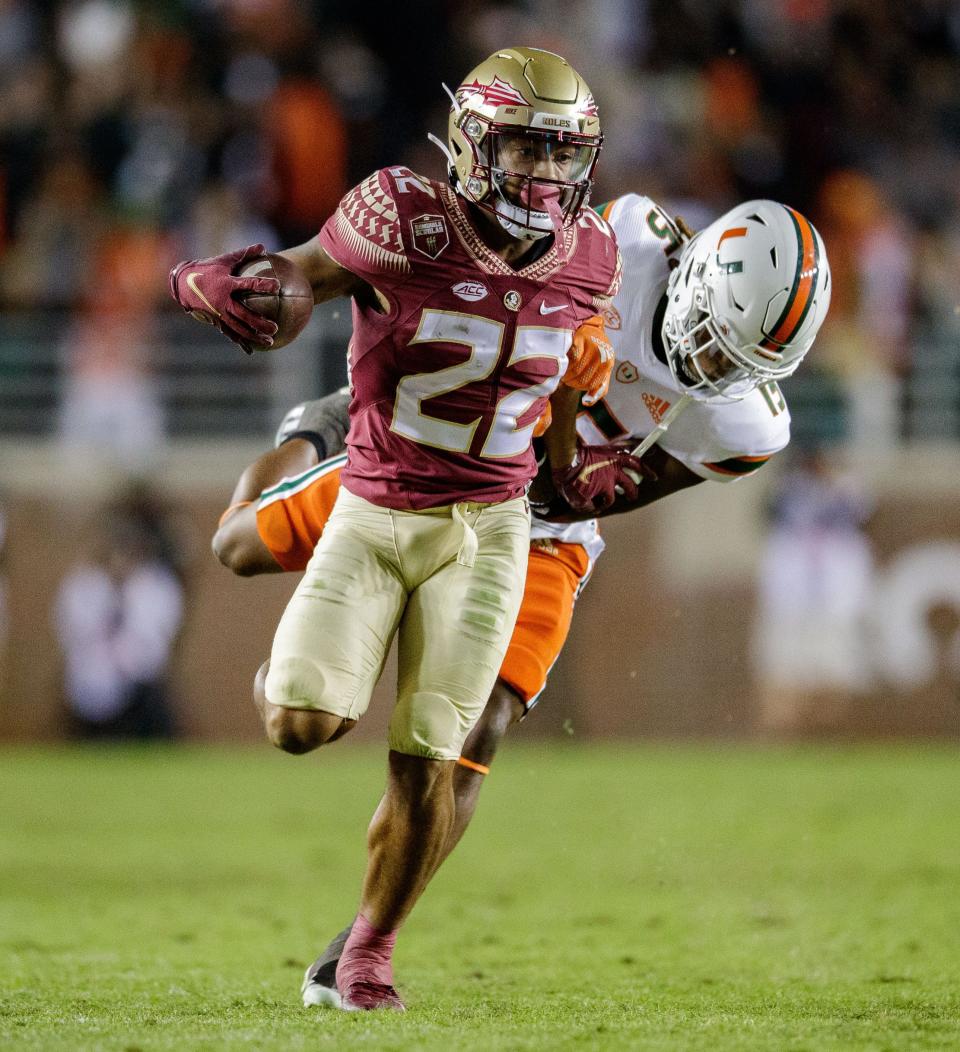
[{"x": 237, "y": 542}]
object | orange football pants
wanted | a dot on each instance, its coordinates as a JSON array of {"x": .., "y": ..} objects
[{"x": 291, "y": 517}]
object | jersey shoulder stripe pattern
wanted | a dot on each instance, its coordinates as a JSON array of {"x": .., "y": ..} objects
[{"x": 368, "y": 223}]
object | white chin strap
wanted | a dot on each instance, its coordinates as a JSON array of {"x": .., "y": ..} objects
[{"x": 513, "y": 219}]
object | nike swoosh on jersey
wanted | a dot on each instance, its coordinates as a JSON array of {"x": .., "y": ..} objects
[
  {"x": 195, "y": 289},
  {"x": 544, "y": 309}
]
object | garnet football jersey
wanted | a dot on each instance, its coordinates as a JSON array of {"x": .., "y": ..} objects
[
  {"x": 448, "y": 383},
  {"x": 722, "y": 441}
]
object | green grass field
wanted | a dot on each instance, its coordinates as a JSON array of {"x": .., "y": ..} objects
[{"x": 653, "y": 897}]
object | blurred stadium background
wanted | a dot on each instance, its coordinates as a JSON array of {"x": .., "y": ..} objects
[{"x": 821, "y": 597}]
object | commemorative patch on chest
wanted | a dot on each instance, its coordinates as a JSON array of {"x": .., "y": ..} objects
[{"x": 430, "y": 234}]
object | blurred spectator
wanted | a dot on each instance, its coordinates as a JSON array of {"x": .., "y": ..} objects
[
  {"x": 814, "y": 587},
  {"x": 916, "y": 620},
  {"x": 50, "y": 263},
  {"x": 309, "y": 153},
  {"x": 111, "y": 408},
  {"x": 117, "y": 616},
  {"x": 866, "y": 336},
  {"x": 218, "y": 222},
  {"x": 114, "y": 111}
]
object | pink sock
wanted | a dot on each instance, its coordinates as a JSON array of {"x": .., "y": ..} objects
[{"x": 366, "y": 955}]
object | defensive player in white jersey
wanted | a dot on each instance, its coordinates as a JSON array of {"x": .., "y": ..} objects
[{"x": 709, "y": 325}]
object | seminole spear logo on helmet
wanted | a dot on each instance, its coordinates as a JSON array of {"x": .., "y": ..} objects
[
  {"x": 523, "y": 140},
  {"x": 499, "y": 93}
]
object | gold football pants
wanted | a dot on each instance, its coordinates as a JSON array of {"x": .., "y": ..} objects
[{"x": 447, "y": 581}]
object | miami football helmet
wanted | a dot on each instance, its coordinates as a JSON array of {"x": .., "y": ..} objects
[
  {"x": 746, "y": 300},
  {"x": 524, "y": 135}
]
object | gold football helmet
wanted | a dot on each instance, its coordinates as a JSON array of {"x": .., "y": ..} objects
[{"x": 523, "y": 140}]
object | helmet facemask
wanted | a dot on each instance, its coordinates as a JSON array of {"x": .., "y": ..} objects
[
  {"x": 507, "y": 175},
  {"x": 702, "y": 357}
]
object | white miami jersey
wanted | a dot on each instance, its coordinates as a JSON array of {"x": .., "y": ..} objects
[{"x": 722, "y": 441}]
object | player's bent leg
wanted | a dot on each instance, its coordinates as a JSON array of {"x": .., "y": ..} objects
[
  {"x": 331, "y": 642},
  {"x": 466, "y": 565},
  {"x": 454, "y": 634},
  {"x": 296, "y": 731}
]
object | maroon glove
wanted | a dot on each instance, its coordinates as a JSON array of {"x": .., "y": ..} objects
[
  {"x": 207, "y": 289},
  {"x": 598, "y": 475}
]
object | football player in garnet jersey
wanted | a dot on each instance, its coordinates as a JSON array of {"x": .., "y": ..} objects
[
  {"x": 466, "y": 298},
  {"x": 719, "y": 319}
]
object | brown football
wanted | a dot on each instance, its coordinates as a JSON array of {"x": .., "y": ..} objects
[{"x": 291, "y": 307}]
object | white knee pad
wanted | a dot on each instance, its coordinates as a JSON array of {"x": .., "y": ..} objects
[
  {"x": 429, "y": 725},
  {"x": 298, "y": 683}
]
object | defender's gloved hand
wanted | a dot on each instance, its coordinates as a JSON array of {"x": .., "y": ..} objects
[
  {"x": 543, "y": 422},
  {"x": 598, "y": 475},
  {"x": 590, "y": 360},
  {"x": 209, "y": 290}
]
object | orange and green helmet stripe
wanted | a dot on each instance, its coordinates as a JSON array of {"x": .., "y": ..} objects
[{"x": 801, "y": 295}]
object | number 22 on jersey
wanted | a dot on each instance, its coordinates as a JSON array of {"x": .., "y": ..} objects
[{"x": 484, "y": 338}]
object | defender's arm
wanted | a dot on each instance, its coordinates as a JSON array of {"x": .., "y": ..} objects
[{"x": 237, "y": 542}]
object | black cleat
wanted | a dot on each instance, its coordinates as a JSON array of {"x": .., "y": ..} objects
[{"x": 320, "y": 980}]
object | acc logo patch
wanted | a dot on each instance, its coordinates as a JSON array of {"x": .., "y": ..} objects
[
  {"x": 429, "y": 234},
  {"x": 627, "y": 373},
  {"x": 471, "y": 291}
]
